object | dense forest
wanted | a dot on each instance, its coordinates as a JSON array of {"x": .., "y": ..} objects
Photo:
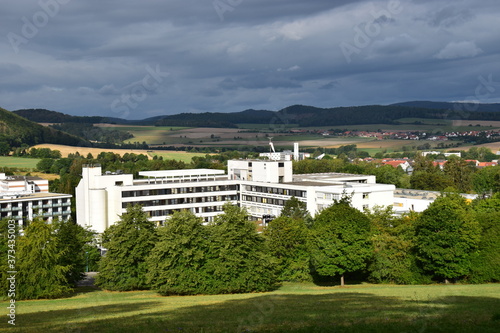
[
  {"x": 16, "y": 131},
  {"x": 299, "y": 115}
]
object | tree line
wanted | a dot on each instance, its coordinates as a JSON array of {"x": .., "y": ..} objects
[{"x": 452, "y": 240}]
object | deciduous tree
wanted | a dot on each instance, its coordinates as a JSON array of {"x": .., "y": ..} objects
[
  {"x": 340, "y": 240},
  {"x": 178, "y": 263},
  {"x": 128, "y": 243},
  {"x": 447, "y": 237}
]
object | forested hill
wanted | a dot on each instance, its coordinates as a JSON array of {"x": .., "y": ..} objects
[
  {"x": 299, "y": 115},
  {"x": 468, "y": 107},
  {"x": 17, "y": 130},
  {"x": 305, "y": 116},
  {"x": 47, "y": 116}
]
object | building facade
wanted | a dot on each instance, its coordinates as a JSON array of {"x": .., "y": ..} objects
[
  {"x": 24, "y": 198},
  {"x": 262, "y": 187}
]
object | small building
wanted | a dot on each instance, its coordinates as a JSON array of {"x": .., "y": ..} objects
[{"x": 23, "y": 198}]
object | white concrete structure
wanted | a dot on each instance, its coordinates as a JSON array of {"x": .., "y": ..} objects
[
  {"x": 23, "y": 184},
  {"x": 262, "y": 187},
  {"x": 286, "y": 155},
  {"x": 23, "y": 198},
  {"x": 101, "y": 199},
  {"x": 406, "y": 200},
  {"x": 260, "y": 170}
]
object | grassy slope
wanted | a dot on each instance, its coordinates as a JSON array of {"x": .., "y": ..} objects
[
  {"x": 294, "y": 307},
  {"x": 18, "y": 162}
]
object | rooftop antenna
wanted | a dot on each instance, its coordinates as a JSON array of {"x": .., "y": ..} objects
[{"x": 271, "y": 145}]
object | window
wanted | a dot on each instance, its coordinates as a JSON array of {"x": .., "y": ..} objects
[{"x": 365, "y": 195}]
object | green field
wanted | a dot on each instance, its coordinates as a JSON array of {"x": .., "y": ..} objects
[
  {"x": 18, "y": 162},
  {"x": 179, "y": 156},
  {"x": 150, "y": 134},
  {"x": 292, "y": 308}
]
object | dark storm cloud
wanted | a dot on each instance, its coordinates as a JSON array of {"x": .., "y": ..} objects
[{"x": 100, "y": 57}]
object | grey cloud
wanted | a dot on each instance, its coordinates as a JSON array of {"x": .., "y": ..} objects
[
  {"x": 263, "y": 54},
  {"x": 463, "y": 49}
]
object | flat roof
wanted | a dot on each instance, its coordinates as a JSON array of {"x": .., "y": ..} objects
[
  {"x": 311, "y": 183},
  {"x": 39, "y": 195},
  {"x": 181, "y": 173}
]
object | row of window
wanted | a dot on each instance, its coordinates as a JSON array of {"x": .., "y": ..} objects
[
  {"x": 275, "y": 190},
  {"x": 180, "y": 190},
  {"x": 181, "y": 201},
  {"x": 328, "y": 196},
  {"x": 269, "y": 201},
  {"x": 195, "y": 210}
]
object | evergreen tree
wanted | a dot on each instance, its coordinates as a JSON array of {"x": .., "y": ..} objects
[
  {"x": 288, "y": 240},
  {"x": 128, "y": 243},
  {"x": 240, "y": 261},
  {"x": 296, "y": 209},
  {"x": 340, "y": 240},
  {"x": 460, "y": 173},
  {"x": 40, "y": 273},
  {"x": 177, "y": 264},
  {"x": 447, "y": 236}
]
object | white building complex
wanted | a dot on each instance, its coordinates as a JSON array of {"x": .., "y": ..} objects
[
  {"x": 23, "y": 198},
  {"x": 262, "y": 187}
]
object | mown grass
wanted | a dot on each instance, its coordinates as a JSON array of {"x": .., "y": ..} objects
[
  {"x": 292, "y": 308},
  {"x": 18, "y": 162}
]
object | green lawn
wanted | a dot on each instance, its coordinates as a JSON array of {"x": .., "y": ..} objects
[
  {"x": 292, "y": 308},
  {"x": 18, "y": 162}
]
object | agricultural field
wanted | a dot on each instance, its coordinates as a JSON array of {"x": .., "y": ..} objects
[
  {"x": 84, "y": 151},
  {"x": 291, "y": 308},
  {"x": 175, "y": 155},
  {"x": 18, "y": 162},
  {"x": 149, "y": 134}
]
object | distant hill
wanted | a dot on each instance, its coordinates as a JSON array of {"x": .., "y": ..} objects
[
  {"x": 301, "y": 115},
  {"x": 47, "y": 116},
  {"x": 17, "y": 130},
  {"x": 470, "y": 107},
  {"x": 306, "y": 116}
]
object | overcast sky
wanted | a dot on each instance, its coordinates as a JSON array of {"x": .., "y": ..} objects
[{"x": 137, "y": 59}]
